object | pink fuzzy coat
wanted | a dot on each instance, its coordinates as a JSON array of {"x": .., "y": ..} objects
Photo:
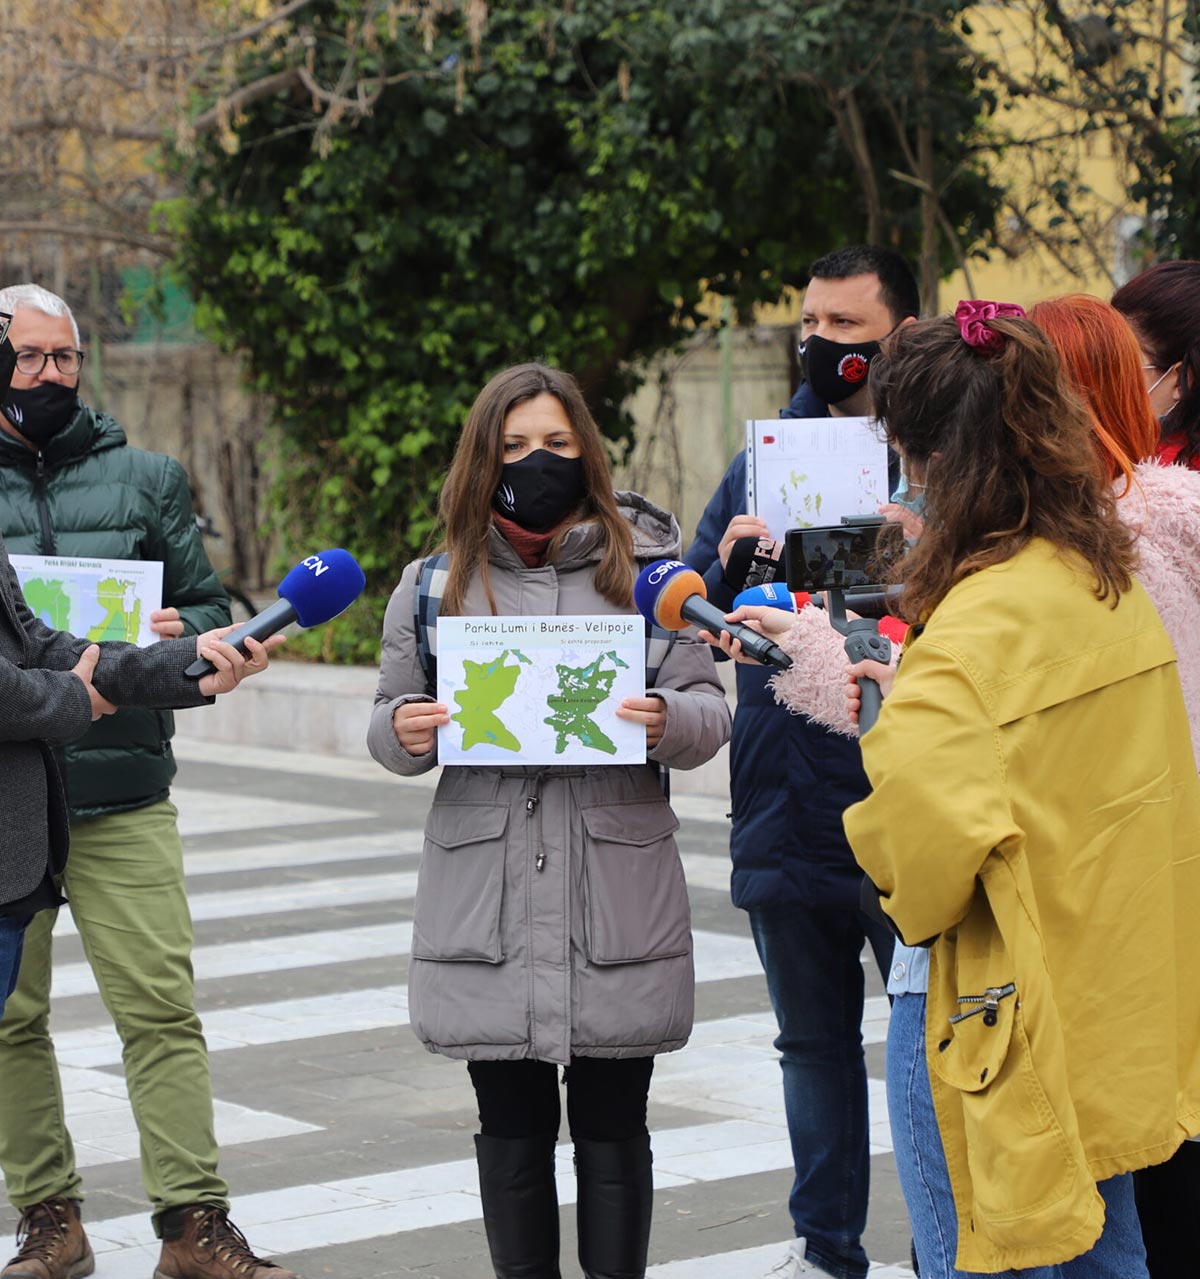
[{"x": 1162, "y": 506}]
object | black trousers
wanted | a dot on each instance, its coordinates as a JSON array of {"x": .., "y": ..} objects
[
  {"x": 606, "y": 1097},
  {"x": 1168, "y": 1204}
]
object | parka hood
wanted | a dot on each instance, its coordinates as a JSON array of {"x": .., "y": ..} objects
[{"x": 655, "y": 536}]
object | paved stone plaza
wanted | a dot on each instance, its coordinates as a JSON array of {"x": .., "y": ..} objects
[{"x": 348, "y": 1146}]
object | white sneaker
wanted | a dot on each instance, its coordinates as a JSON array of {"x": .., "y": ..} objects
[{"x": 794, "y": 1265}]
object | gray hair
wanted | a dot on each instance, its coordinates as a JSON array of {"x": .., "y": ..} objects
[{"x": 37, "y": 299}]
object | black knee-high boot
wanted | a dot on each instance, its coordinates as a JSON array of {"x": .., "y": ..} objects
[
  {"x": 520, "y": 1205},
  {"x": 616, "y": 1199}
]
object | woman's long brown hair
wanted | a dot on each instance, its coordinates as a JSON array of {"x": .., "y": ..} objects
[
  {"x": 1006, "y": 449},
  {"x": 465, "y": 507}
]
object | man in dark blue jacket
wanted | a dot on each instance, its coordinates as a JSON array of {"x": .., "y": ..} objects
[{"x": 790, "y": 781}]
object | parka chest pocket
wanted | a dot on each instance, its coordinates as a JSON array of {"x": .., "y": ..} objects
[
  {"x": 635, "y": 896},
  {"x": 460, "y": 886},
  {"x": 1019, "y": 1158}
]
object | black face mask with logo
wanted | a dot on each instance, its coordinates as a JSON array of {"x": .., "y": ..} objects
[
  {"x": 540, "y": 490},
  {"x": 39, "y": 412},
  {"x": 836, "y": 370}
]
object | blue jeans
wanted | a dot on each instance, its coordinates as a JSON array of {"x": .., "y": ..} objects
[
  {"x": 921, "y": 1165},
  {"x": 12, "y": 937},
  {"x": 812, "y": 960}
]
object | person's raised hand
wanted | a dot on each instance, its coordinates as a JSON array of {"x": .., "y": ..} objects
[
  {"x": 84, "y": 670},
  {"x": 651, "y": 711},
  {"x": 740, "y": 526},
  {"x": 883, "y": 675},
  {"x": 416, "y": 723},
  {"x": 774, "y": 623},
  {"x": 231, "y": 666},
  {"x": 166, "y": 622},
  {"x": 912, "y": 524}
]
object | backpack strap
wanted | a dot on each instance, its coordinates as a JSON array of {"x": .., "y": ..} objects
[
  {"x": 427, "y": 600},
  {"x": 658, "y": 645}
]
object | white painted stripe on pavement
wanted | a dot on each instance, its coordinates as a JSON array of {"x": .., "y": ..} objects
[
  {"x": 308, "y": 852},
  {"x": 718, "y": 957},
  {"x": 749, "y": 1262},
  {"x": 288, "y": 895},
  {"x": 104, "y": 1131},
  {"x": 299, "y": 1218},
  {"x": 267, "y": 955},
  {"x": 208, "y": 812}
]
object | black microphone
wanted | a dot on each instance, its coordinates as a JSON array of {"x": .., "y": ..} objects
[
  {"x": 671, "y": 595},
  {"x": 753, "y": 561},
  {"x": 8, "y": 357}
]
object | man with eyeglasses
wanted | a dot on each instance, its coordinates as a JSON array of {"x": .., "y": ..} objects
[{"x": 70, "y": 485}]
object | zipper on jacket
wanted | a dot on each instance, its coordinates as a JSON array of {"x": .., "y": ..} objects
[
  {"x": 48, "y": 547},
  {"x": 989, "y": 1004},
  {"x": 531, "y": 803}
]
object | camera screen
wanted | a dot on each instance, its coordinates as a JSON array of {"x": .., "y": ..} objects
[{"x": 840, "y": 555}]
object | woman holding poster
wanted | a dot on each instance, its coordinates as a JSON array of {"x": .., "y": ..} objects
[{"x": 551, "y": 926}]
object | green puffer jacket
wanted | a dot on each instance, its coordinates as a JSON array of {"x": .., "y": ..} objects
[{"x": 89, "y": 494}]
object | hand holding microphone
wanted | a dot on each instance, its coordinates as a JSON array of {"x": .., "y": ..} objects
[
  {"x": 671, "y": 595},
  {"x": 314, "y": 592}
]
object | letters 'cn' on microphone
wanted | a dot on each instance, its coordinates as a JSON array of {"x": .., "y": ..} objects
[
  {"x": 671, "y": 595},
  {"x": 314, "y": 592}
]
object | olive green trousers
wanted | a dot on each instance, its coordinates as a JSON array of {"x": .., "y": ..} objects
[{"x": 124, "y": 884}]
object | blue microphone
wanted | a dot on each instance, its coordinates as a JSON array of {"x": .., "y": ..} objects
[
  {"x": 314, "y": 592},
  {"x": 773, "y": 595}
]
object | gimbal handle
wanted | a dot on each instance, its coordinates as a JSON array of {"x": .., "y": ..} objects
[{"x": 863, "y": 641}]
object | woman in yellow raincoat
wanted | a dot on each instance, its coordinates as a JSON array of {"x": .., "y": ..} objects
[{"x": 1036, "y": 816}]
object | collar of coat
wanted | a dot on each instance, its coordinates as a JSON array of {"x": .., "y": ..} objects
[{"x": 89, "y": 431}]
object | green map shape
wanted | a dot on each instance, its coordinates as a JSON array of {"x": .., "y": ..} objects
[
  {"x": 581, "y": 690},
  {"x": 118, "y": 623},
  {"x": 489, "y": 686},
  {"x": 49, "y": 600}
]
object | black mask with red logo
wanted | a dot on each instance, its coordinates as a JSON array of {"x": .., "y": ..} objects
[{"x": 836, "y": 370}]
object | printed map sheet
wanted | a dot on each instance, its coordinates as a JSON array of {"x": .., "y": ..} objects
[
  {"x": 803, "y": 472},
  {"x": 540, "y": 690},
  {"x": 93, "y": 599}
]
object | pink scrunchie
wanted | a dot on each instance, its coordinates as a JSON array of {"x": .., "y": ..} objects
[{"x": 972, "y": 317}]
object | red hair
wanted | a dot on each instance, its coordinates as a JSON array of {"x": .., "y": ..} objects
[{"x": 1104, "y": 363}]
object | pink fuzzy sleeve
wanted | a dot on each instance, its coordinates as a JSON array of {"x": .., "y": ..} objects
[{"x": 815, "y": 684}]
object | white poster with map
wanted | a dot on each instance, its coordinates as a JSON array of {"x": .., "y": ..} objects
[
  {"x": 93, "y": 599},
  {"x": 804, "y": 472},
  {"x": 540, "y": 690}
]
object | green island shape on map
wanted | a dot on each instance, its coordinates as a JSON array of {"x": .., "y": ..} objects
[
  {"x": 48, "y": 600},
  {"x": 489, "y": 686},
  {"x": 581, "y": 689},
  {"x": 118, "y": 623}
]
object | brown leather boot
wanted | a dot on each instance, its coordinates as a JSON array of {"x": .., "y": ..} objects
[
  {"x": 51, "y": 1243},
  {"x": 200, "y": 1242}
]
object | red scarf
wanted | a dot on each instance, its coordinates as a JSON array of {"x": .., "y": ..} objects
[
  {"x": 1170, "y": 448},
  {"x": 531, "y": 547}
]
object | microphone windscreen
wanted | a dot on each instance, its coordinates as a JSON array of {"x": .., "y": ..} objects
[
  {"x": 660, "y": 590},
  {"x": 773, "y": 595},
  {"x": 753, "y": 561},
  {"x": 8, "y": 356},
  {"x": 322, "y": 586}
]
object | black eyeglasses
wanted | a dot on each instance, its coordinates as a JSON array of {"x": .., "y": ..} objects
[{"x": 67, "y": 361}]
